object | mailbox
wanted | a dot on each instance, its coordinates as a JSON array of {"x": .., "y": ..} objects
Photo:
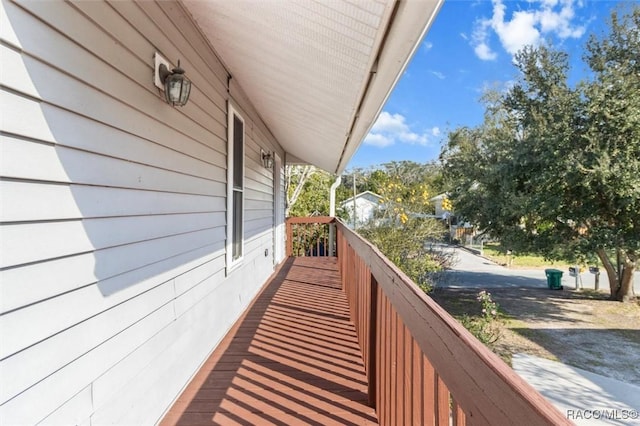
[
  {"x": 595, "y": 271},
  {"x": 573, "y": 271}
]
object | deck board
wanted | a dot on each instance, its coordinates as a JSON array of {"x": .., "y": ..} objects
[{"x": 292, "y": 359}]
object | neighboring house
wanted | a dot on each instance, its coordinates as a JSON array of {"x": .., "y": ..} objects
[
  {"x": 440, "y": 213},
  {"x": 134, "y": 233},
  {"x": 366, "y": 205},
  {"x": 459, "y": 230}
]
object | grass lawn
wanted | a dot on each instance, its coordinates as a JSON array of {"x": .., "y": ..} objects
[{"x": 496, "y": 253}]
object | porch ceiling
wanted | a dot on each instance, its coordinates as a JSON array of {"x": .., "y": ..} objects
[{"x": 318, "y": 72}]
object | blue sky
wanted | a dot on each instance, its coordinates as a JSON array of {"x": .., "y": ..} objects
[{"x": 469, "y": 47}]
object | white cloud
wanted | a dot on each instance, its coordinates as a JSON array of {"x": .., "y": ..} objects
[
  {"x": 392, "y": 128},
  {"x": 517, "y": 33},
  {"x": 438, "y": 74},
  {"x": 435, "y": 131},
  {"x": 427, "y": 45},
  {"x": 560, "y": 23},
  {"x": 388, "y": 123},
  {"x": 479, "y": 40},
  {"x": 377, "y": 139},
  {"x": 526, "y": 27},
  {"x": 484, "y": 52}
]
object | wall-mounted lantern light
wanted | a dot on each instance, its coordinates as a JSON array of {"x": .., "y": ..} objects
[
  {"x": 267, "y": 159},
  {"x": 176, "y": 86}
]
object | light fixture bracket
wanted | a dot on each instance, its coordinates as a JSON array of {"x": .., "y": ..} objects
[{"x": 163, "y": 72}]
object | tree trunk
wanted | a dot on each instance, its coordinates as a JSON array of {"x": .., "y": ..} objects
[
  {"x": 625, "y": 291},
  {"x": 620, "y": 285},
  {"x": 612, "y": 273},
  {"x": 303, "y": 173}
]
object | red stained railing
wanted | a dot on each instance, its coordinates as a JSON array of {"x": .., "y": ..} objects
[
  {"x": 310, "y": 236},
  {"x": 423, "y": 367}
]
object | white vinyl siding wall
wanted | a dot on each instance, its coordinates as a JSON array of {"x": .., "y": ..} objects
[{"x": 112, "y": 287}]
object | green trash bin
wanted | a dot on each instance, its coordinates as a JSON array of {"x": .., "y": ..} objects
[{"x": 554, "y": 279}]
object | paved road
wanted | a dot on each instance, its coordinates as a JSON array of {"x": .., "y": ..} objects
[{"x": 472, "y": 271}]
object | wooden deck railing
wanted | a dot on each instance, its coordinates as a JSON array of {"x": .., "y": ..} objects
[
  {"x": 423, "y": 367},
  {"x": 310, "y": 236}
]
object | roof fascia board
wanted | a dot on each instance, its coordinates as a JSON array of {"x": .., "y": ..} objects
[{"x": 402, "y": 41}]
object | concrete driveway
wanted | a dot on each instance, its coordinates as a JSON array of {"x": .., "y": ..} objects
[
  {"x": 583, "y": 397},
  {"x": 473, "y": 271}
]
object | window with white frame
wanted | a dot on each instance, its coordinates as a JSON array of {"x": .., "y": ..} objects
[{"x": 235, "y": 187}]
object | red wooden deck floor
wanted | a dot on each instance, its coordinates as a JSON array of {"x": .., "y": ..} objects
[{"x": 292, "y": 359}]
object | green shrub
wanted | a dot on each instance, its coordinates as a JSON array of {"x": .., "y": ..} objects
[
  {"x": 405, "y": 244},
  {"x": 486, "y": 326}
]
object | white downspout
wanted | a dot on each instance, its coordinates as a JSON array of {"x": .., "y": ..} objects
[
  {"x": 332, "y": 213},
  {"x": 332, "y": 196}
]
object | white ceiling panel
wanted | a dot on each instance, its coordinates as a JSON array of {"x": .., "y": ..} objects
[{"x": 307, "y": 65}]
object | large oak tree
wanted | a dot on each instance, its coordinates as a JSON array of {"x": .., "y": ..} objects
[{"x": 554, "y": 168}]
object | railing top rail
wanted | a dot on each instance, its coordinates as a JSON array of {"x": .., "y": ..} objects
[
  {"x": 480, "y": 381},
  {"x": 311, "y": 219}
]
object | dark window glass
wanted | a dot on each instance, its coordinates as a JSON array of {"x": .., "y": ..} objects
[
  {"x": 238, "y": 154},
  {"x": 237, "y": 225}
]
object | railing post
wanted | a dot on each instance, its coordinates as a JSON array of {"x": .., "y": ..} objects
[
  {"x": 289, "y": 227},
  {"x": 373, "y": 344},
  {"x": 441, "y": 402},
  {"x": 342, "y": 259},
  {"x": 332, "y": 239}
]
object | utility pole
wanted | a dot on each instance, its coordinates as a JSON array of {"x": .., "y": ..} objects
[{"x": 354, "y": 202}]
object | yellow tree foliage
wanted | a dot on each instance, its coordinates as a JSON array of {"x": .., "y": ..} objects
[{"x": 446, "y": 204}]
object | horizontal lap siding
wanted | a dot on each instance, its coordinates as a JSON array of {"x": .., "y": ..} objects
[{"x": 113, "y": 287}]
